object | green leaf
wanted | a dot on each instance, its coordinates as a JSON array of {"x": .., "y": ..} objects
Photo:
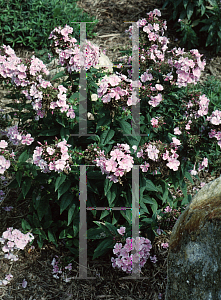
[
  {"x": 102, "y": 248},
  {"x": 106, "y": 136},
  {"x": 209, "y": 38},
  {"x": 104, "y": 214},
  {"x": 107, "y": 185},
  {"x": 65, "y": 133},
  {"x": 213, "y": 2},
  {"x": 26, "y": 185},
  {"x": 23, "y": 157},
  {"x": 150, "y": 186},
  {"x": 190, "y": 9},
  {"x": 125, "y": 126},
  {"x": 52, "y": 237},
  {"x": 94, "y": 233},
  {"x": 185, "y": 3},
  {"x": 59, "y": 181},
  {"x": 63, "y": 188},
  {"x": 25, "y": 225},
  {"x": 111, "y": 195},
  {"x": 49, "y": 132},
  {"x": 71, "y": 211},
  {"x": 111, "y": 228},
  {"x": 188, "y": 176},
  {"x": 19, "y": 177},
  {"x": 66, "y": 200},
  {"x": 127, "y": 215}
]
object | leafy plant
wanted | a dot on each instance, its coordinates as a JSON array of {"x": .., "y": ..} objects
[
  {"x": 29, "y": 23},
  {"x": 197, "y": 21},
  {"x": 177, "y": 123}
]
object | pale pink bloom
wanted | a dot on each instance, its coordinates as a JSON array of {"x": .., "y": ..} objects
[
  {"x": 168, "y": 209},
  {"x": 157, "y": 12},
  {"x": 117, "y": 248},
  {"x": 177, "y": 131},
  {"x": 159, "y": 87},
  {"x": 3, "y": 144},
  {"x": 155, "y": 100},
  {"x": 146, "y": 77},
  {"x": 50, "y": 150},
  {"x": 60, "y": 165},
  {"x": 152, "y": 152},
  {"x": 173, "y": 164},
  {"x": 145, "y": 167},
  {"x": 24, "y": 283},
  {"x": 114, "y": 80},
  {"x": 164, "y": 245},
  {"x": 154, "y": 122},
  {"x": 117, "y": 154},
  {"x": 176, "y": 141},
  {"x": 111, "y": 165},
  {"x": 121, "y": 230}
]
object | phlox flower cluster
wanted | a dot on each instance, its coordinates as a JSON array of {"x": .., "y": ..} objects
[
  {"x": 52, "y": 157},
  {"x": 157, "y": 122},
  {"x": 59, "y": 271},
  {"x": 125, "y": 259},
  {"x": 44, "y": 97},
  {"x": 159, "y": 152},
  {"x": 7, "y": 279},
  {"x": 14, "y": 239},
  {"x": 115, "y": 87},
  {"x": 75, "y": 56},
  {"x": 28, "y": 76},
  {"x": 119, "y": 163},
  {"x": 168, "y": 217},
  {"x": 188, "y": 66},
  {"x": 154, "y": 28},
  {"x": 21, "y": 74},
  {"x": 5, "y": 157},
  {"x": 196, "y": 108},
  {"x": 215, "y": 119},
  {"x": 16, "y": 137},
  {"x": 202, "y": 166}
]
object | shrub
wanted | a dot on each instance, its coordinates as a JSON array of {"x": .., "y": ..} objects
[
  {"x": 29, "y": 23},
  {"x": 177, "y": 123},
  {"x": 197, "y": 21}
]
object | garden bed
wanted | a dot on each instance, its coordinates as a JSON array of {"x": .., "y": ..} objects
[{"x": 34, "y": 265}]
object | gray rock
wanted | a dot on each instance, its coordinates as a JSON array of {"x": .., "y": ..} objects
[
  {"x": 194, "y": 257},
  {"x": 55, "y": 68}
]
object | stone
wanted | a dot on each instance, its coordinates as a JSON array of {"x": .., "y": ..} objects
[
  {"x": 194, "y": 257},
  {"x": 55, "y": 68}
]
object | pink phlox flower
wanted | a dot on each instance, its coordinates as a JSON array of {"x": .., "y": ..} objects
[
  {"x": 145, "y": 167},
  {"x": 164, "y": 245},
  {"x": 177, "y": 131},
  {"x": 117, "y": 248},
  {"x": 168, "y": 209},
  {"x": 152, "y": 152},
  {"x": 173, "y": 164},
  {"x": 111, "y": 165},
  {"x": 155, "y": 100},
  {"x": 121, "y": 231},
  {"x": 3, "y": 144},
  {"x": 176, "y": 141}
]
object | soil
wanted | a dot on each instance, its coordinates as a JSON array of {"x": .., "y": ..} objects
[{"x": 34, "y": 265}]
